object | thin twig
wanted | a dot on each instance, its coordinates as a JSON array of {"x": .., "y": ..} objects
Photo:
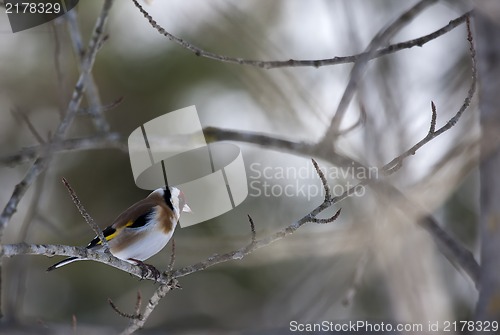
[
  {"x": 101, "y": 109},
  {"x": 361, "y": 121},
  {"x": 86, "y": 216},
  {"x": 432, "y": 128},
  {"x": 304, "y": 62},
  {"x": 252, "y": 228},
  {"x": 327, "y": 220},
  {"x": 24, "y": 118},
  {"x": 328, "y": 195},
  {"x": 397, "y": 162},
  {"x": 123, "y": 314},
  {"x": 138, "y": 323}
]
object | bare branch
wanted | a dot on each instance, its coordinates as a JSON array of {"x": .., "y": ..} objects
[
  {"x": 86, "y": 216},
  {"x": 51, "y": 250},
  {"x": 41, "y": 163},
  {"x": 305, "y": 62}
]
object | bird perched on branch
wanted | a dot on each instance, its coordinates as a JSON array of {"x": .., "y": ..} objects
[{"x": 142, "y": 230}]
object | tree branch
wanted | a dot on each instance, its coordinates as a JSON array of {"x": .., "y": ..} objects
[
  {"x": 105, "y": 141},
  {"x": 50, "y": 250},
  {"x": 304, "y": 62}
]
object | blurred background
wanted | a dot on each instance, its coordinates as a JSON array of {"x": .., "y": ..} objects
[{"x": 402, "y": 277}]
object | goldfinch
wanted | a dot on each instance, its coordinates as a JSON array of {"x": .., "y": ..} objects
[{"x": 142, "y": 230}]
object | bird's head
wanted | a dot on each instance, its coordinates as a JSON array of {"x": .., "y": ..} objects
[{"x": 178, "y": 200}]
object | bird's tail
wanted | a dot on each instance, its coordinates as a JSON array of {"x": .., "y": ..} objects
[{"x": 63, "y": 262}]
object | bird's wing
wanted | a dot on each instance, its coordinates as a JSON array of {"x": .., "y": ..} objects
[
  {"x": 134, "y": 217},
  {"x": 132, "y": 213}
]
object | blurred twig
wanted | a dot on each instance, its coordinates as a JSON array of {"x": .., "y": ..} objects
[
  {"x": 358, "y": 277},
  {"x": 106, "y": 141},
  {"x": 92, "y": 92},
  {"x": 16, "y": 301},
  {"x": 21, "y": 115},
  {"x": 361, "y": 63},
  {"x": 61, "y": 85}
]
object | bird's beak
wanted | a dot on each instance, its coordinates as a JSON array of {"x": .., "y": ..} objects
[{"x": 186, "y": 209}]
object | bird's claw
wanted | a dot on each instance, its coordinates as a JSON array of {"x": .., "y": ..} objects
[{"x": 147, "y": 269}]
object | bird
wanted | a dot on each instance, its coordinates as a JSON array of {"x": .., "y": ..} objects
[{"x": 142, "y": 230}]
